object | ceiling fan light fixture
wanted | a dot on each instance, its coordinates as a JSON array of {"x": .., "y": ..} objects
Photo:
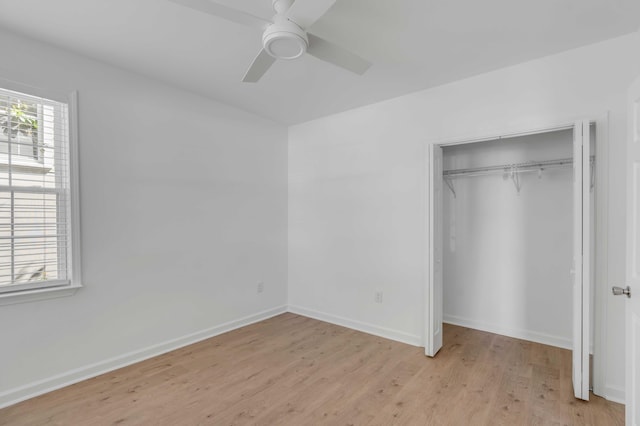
[
  {"x": 284, "y": 36},
  {"x": 285, "y": 40}
]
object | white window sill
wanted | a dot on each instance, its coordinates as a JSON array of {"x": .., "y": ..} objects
[{"x": 38, "y": 294}]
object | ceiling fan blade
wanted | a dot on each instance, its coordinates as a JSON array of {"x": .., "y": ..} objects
[
  {"x": 329, "y": 52},
  {"x": 306, "y": 12},
  {"x": 225, "y": 12},
  {"x": 258, "y": 67}
]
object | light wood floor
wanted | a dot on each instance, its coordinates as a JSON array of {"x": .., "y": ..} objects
[{"x": 292, "y": 370}]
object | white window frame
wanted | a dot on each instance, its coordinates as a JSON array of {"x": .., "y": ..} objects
[{"x": 74, "y": 273}]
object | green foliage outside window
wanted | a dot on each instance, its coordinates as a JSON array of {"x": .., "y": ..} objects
[{"x": 21, "y": 118}]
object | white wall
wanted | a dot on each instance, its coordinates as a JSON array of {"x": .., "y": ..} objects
[
  {"x": 508, "y": 254},
  {"x": 183, "y": 204},
  {"x": 356, "y": 188}
]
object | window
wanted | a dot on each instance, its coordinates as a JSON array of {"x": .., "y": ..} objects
[{"x": 37, "y": 219}]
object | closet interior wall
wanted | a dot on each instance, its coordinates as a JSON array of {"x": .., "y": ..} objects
[{"x": 508, "y": 253}]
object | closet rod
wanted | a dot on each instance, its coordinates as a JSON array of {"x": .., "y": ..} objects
[{"x": 507, "y": 168}]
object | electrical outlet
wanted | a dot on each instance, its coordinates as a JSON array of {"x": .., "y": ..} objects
[
  {"x": 378, "y": 297},
  {"x": 260, "y": 287}
]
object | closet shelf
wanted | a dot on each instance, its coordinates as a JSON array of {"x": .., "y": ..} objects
[
  {"x": 531, "y": 166},
  {"x": 512, "y": 171}
]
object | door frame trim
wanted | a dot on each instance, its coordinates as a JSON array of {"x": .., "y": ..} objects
[{"x": 601, "y": 237}]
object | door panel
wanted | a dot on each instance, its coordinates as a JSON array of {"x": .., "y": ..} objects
[
  {"x": 581, "y": 257},
  {"x": 633, "y": 259},
  {"x": 435, "y": 304}
]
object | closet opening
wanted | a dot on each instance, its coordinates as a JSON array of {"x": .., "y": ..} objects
[{"x": 512, "y": 240}]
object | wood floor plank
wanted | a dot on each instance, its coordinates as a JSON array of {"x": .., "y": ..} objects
[{"x": 292, "y": 370}]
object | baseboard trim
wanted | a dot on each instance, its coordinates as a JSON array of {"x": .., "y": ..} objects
[
  {"x": 614, "y": 394},
  {"x": 375, "y": 330},
  {"x": 30, "y": 390},
  {"x": 533, "y": 336}
]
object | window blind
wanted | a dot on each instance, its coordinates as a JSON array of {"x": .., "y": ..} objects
[{"x": 35, "y": 206}]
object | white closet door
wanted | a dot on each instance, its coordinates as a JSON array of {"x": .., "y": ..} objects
[
  {"x": 631, "y": 289},
  {"x": 435, "y": 303},
  {"x": 581, "y": 261}
]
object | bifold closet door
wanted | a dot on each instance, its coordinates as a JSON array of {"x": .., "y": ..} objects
[
  {"x": 434, "y": 256},
  {"x": 581, "y": 261}
]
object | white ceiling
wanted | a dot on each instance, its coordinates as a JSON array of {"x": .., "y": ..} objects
[{"x": 413, "y": 44}]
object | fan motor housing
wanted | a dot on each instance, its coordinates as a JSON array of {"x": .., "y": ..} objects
[{"x": 285, "y": 40}]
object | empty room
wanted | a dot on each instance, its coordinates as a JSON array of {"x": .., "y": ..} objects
[{"x": 302, "y": 212}]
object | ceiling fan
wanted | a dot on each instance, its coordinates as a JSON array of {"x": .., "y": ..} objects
[{"x": 285, "y": 35}]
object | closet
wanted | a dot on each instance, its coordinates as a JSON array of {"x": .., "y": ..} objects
[{"x": 504, "y": 238}]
